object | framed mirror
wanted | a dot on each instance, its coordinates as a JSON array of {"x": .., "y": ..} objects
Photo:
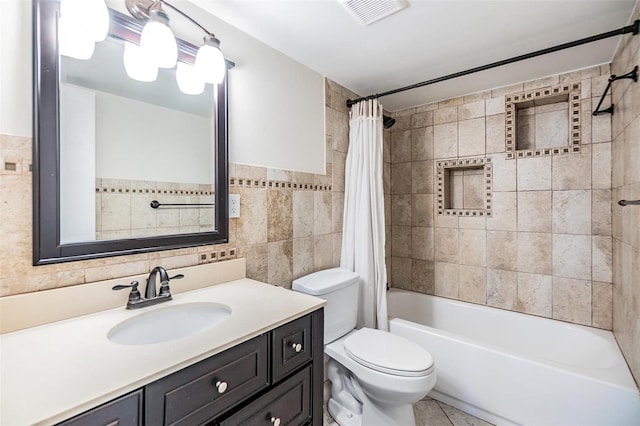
[{"x": 122, "y": 166}]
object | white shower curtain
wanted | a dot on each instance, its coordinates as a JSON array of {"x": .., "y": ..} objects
[{"x": 363, "y": 226}]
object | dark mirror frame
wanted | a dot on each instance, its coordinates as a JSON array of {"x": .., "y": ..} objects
[{"x": 46, "y": 152}]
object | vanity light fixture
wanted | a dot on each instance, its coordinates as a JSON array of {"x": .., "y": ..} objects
[
  {"x": 82, "y": 24},
  {"x": 189, "y": 80},
  {"x": 137, "y": 65},
  {"x": 210, "y": 64}
]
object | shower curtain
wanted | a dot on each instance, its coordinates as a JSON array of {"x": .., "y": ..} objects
[{"x": 363, "y": 226}]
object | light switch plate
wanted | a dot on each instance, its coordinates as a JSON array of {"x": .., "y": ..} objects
[{"x": 234, "y": 206}]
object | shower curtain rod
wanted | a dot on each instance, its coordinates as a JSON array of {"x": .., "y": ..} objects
[{"x": 633, "y": 28}]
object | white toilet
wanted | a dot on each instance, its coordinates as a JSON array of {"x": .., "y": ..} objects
[{"x": 375, "y": 376}]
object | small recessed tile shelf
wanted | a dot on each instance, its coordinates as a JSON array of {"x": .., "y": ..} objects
[
  {"x": 461, "y": 184},
  {"x": 553, "y": 100}
]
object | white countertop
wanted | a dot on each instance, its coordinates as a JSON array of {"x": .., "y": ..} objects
[{"x": 56, "y": 371}]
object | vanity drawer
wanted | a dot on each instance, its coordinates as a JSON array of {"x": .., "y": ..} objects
[
  {"x": 291, "y": 346},
  {"x": 123, "y": 411},
  {"x": 289, "y": 403},
  {"x": 201, "y": 392}
]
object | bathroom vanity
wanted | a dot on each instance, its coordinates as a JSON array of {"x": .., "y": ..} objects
[{"x": 261, "y": 365}]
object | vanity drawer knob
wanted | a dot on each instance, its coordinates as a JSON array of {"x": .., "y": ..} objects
[
  {"x": 275, "y": 421},
  {"x": 221, "y": 386},
  {"x": 296, "y": 347}
]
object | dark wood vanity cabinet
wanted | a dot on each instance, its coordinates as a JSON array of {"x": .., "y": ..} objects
[{"x": 273, "y": 379}]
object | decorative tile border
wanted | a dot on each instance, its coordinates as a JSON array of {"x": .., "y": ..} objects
[
  {"x": 461, "y": 164},
  {"x": 511, "y": 101},
  {"x": 144, "y": 187},
  {"x": 276, "y": 184}
]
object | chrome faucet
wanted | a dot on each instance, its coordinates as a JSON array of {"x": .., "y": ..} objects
[{"x": 151, "y": 297}]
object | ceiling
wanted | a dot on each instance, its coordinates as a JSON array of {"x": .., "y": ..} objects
[{"x": 429, "y": 39}]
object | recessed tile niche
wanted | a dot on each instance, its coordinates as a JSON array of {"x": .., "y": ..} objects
[
  {"x": 542, "y": 122},
  {"x": 464, "y": 187}
]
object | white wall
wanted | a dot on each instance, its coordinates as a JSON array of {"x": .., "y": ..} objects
[
  {"x": 140, "y": 141},
  {"x": 15, "y": 67},
  {"x": 77, "y": 165},
  {"x": 276, "y": 104}
]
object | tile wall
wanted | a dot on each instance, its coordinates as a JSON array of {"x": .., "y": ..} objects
[
  {"x": 290, "y": 222},
  {"x": 546, "y": 247},
  {"x": 625, "y": 155}
]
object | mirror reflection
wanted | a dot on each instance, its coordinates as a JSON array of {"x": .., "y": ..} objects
[{"x": 125, "y": 143}]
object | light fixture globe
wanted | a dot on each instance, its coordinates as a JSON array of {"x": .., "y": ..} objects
[
  {"x": 136, "y": 64},
  {"x": 210, "y": 62},
  {"x": 158, "y": 41},
  {"x": 189, "y": 80}
]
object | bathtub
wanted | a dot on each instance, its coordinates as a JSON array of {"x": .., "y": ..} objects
[{"x": 511, "y": 368}]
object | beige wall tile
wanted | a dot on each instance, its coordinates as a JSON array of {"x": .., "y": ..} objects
[
  {"x": 279, "y": 215},
  {"x": 471, "y": 137},
  {"x": 422, "y": 119},
  {"x": 422, "y": 177},
  {"x": 472, "y": 247},
  {"x": 401, "y": 178},
  {"x": 572, "y": 212},
  {"x": 252, "y": 224},
  {"x": 280, "y": 263},
  {"x": 401, "y": 209},
  {"x": 451, "y": 102},
  {"x": 401, "y": 241},
  {"x": 572, "y": 300},
  {"x": 495, "y": 137},
  {"x": 337, "y": 250},
  {"x": 601, "y": 305},
  {"x": 473, "y": 284},
  {"x": 322, "y": 252},
  {"x": 401, "y": 274},
  {"x": 446, "y": 245},
  {"x": 572, "y": 256},
  {"x": 506, "y": 90},
  {"x": 401, "y": 146},
  {"x": 471, "y": 222},
  {"x": 601, "y": 212},
  {"x": 257, "y": 260},
  {"x": 446, "y": 280},
  {"x": 422, "y": 243},
  {"x": 601, "y": 128},
  {"x": 302, "y": 257},
  {"x": 504, "y": 173},
  {"x": 502, "y": 250},
  {"x": 338, "y": 170},
  {"x": 534, "y": 253},
  {"x": 504, "y": 212},
  {"x": 495, "y": 105},
  {"x": 502, "y": 289},
  {"x": 533, "y": 211},
  {"x": 535, "y": 294},
  {"x": 445, "y": 115},
  {"x": 337, "y": 210},
  {"x": 422, "y": 278},
  {"x": 302, "y": 202},
  {"x": 322, "y": 213},
  {"x": 422, "y": 210},
  {"x": 534, "y": 174},
  {"x": 572, "y": 171},
  {"x": 601, "y": 166},
  {"x": 602, "y": 259},
  {"x": 445, "y": 140},
  {"x": 471, "y": 110},
  {"x": 422, "y": 143}
]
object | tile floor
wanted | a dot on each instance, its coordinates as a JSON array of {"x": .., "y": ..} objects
[{"x": 430, "y": 412}]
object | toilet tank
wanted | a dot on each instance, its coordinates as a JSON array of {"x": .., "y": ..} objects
[{"x": 339, "y": 287}]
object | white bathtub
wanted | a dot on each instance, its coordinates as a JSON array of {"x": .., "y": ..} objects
[{"x": 511, "y": 368}]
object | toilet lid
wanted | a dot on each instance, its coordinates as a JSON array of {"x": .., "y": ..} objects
[{"x": 388, "y": 353}]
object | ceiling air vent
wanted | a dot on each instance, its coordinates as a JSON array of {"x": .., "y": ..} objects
[{"x": 369, "y": 11}]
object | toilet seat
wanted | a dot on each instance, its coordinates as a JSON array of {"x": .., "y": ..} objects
[{"x": 388, "y": 353}]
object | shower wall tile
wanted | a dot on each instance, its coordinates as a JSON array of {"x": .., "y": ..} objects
[
  {"x": 502, "y": 289},
  {"x": 602, "y": 259},
  {"x": 422, "y": 177},
  {"x": 601, "y": 166},
  {"x": 401, "y": 209},
  {"x": 535, "y": 294},
  {"x": 504, "y": 216},
  {"x": 401, "y": 272},
  {"x": 401, "y": 178},
  {"x": 422, "y": 210},
  {"x": 422, "y": 276},
  {"x": 422, "y": 243},
  {"x": 533, "y": 211},
  {"x": 572, "y": 212},
  {"x": 445, "y": 115},
  {"x": 446, "y": 280},
  {"x": 502, "y": 250},
  {"x": 473, "y": 284},
  {"x": 471, "y": 110},
  {"x": 401, "y": 142},
  {"x": 534, "y": 174},
  {"x": 601, "y": 205},
  {"x": 472, "y": 247},
  {"x": 495, "y": 105},
  {"x": 401, "y": 241},
  {"x": 572, "y": 300},
  {"x": 495, "y": 134},
  {"x": 504, "y": 172},
  {"x": 445, "y": 140},
  {"x": 601, "y": 305},
  {"x": 534, "y": 253},
  {"x": 572, "y": 171},
  {"x": 446, "y": 245},
  {"x": 471, "y": 137},
  {"x": 422, "y": 143},
  {"x": 572, "y": 256},
  {"x": 422, "y": 119}
]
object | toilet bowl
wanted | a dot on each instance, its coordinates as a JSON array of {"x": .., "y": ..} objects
[{"x": 376, "y": 376}]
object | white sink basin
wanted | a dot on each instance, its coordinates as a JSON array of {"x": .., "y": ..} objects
[{"x": 168, "y": 323}]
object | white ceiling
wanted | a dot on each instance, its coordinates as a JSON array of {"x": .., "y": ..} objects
[{"x": 429, "y": 39}]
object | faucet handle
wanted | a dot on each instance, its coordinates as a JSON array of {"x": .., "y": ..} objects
[
  {"x": 134, "y": 295},
  {"x": 177, "y": 277},
  {"x": 164, "y": 286}
]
